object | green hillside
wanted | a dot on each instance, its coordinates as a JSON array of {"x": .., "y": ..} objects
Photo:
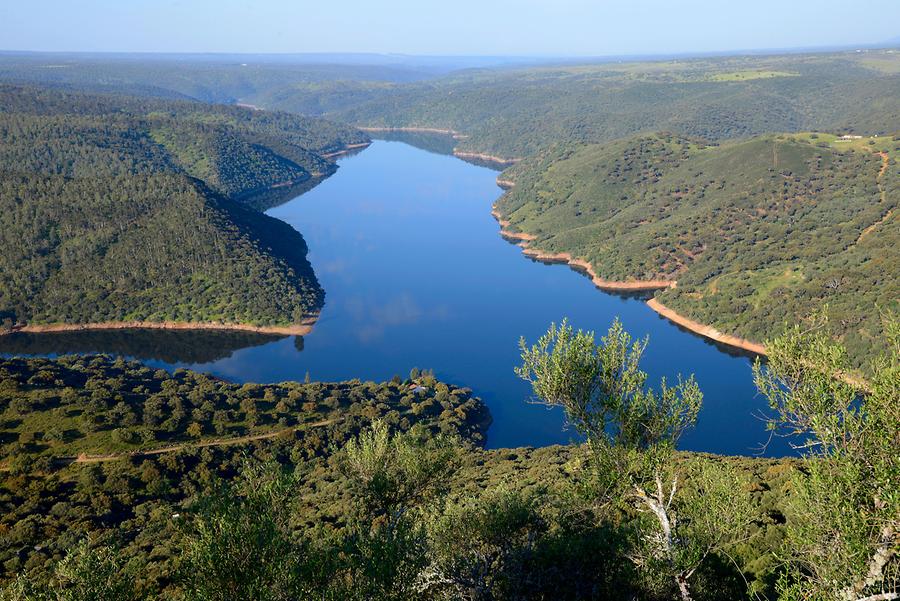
[
  {"x": 122, "y": 209},
  {"x": 756, "y": 233},
  {"x": 517, "y": 112}
]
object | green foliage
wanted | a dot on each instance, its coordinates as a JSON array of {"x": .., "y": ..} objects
[
  {"x": 757, "y": 233},
  {"x": 632, "y": 432},
  {"x": 120, "y": 209},
  {"x": 392, "y": 473},
  {"x": 354, "y": 511},
  {"x": 844, "y": 540},
  {"x": 86, "y": 574},
  {"x": 48, "y": 502},
  {"x": 240, "y": 544},
  {"x": 603, "y": 390},
  {"x": 480, "y": 545}
]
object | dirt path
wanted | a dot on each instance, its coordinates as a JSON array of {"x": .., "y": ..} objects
[
  {"x": 885, "y": 161},
  {"x": 85, "y": 458}
]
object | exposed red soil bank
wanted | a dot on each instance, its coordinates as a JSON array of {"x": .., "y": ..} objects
[
  {"x": 426, "y": 130},
  {"x": 580, "y": 264},
  {"x": 462, "y": 154},
  {"x": 300, "y": 329},
  {"x": 705, "y": 330},
  {"x": 480, "y": 156},
  {"x": 346, "y": 150}
]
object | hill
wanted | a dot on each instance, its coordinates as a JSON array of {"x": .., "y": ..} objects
[
  {"x": 514, "y": 113},
  {"x": 757, "y": 233},
  {"x": 123, "y": 209},
  {"x": 91, "y": 444}
]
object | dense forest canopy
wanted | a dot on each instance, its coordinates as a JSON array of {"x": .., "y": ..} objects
[{"x": 118, "y": 208}]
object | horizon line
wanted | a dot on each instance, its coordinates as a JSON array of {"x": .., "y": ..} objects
[{"x": 886, "y": 45}]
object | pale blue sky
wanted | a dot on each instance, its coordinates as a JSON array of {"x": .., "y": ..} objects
[{"x": 474, "y": 27}]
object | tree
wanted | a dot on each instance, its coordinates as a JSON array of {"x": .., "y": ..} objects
[
  {"x": 478, "y": 545},
  {"x": 844, "y": 535},
  {"x": 195, "y": 430},
  {"x": 632, "y": 432},
  {"x": 391, "y": 477},
  {"x": 394, "y": 473},
  {"x": 86, "y": 574},
  {"x": 240, "y": 546}
]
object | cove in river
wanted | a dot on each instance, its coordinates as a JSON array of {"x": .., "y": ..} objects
[{"x": 417, "y": 275}]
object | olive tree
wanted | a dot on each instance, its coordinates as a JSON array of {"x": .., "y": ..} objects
[
  {"x": 479, "y": 544},
  {"x": 238, "y": 542},
  {"x": 844, "y": 532},
  {"x": 392, "y": 478},
  {"x": 632, "y": 431}
]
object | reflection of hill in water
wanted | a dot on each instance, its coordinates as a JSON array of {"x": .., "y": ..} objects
[
  {"x": 268, "y": 199},
  {"x": 429, "y": 141},
  {"x": 170, "y": 346}
]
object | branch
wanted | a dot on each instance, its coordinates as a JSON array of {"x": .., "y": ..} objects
[
  {"x": 880, "y": 597},
  {"x": 883, "y": 554}
]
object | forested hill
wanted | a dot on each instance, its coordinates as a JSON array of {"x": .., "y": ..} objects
[
  {"x": 129, "y": 209},
  {"x": 757, "y": 233},
  {"x": 53, "y": 408},
  {"x": 238, "y": 152},
  {"x": 515, "y": 113}
]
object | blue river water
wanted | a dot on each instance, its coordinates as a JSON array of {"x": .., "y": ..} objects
[{"x": 416, "y": 275}]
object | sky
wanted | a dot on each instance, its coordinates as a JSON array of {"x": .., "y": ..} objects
[{"x": 444, "y": 27}]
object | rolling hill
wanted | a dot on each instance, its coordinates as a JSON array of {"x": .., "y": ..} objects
[{"x": 756, "y": 233}]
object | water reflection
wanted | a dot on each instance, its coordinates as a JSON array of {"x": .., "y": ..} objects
[
  {"x": 168, "y": 346},
  {"x": 428, "y": 141}
]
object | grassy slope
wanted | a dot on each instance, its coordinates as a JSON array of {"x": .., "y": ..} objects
[{"x": 756, "y": 233}]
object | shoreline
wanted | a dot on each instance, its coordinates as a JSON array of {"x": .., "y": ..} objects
[
  {"x": 349, "y": 148},
  {"x": 523, "y": 241},
  {"x": 704, "y": 330},
  {"x": 460, "y": 154},
  {"x": 425, "y": 130},
  {"x": 301, "y": 329},
  {"x": 488, "y": 158}
]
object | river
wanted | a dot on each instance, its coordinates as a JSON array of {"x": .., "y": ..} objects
[{"x": 417, "y": 275}]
